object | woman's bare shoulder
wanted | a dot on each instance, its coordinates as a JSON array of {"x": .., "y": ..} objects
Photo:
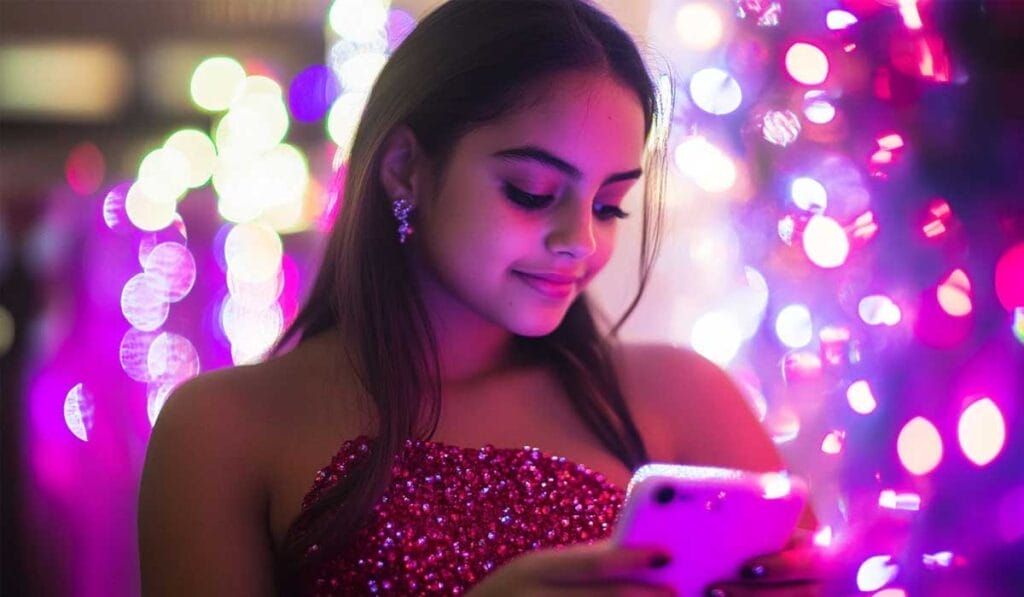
[{"x": 710, "y": 420}]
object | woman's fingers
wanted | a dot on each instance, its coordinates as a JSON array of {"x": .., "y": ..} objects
[
  {"x": 766, "y": 589},
  {"x": 802, "y": 563},
  {"x": 600, "y": 561}
]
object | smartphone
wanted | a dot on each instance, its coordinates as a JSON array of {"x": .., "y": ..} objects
[{"x": 711, "y": 520}]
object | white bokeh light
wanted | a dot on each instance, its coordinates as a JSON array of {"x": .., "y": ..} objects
[
  {"x": 716, "y": 336},
  {"x": 144, "y": 301},
  {"x": 715, "y": 91},
  {"x": 876, "y": 572},
  {"x": 825, "y": 242},
  {"x": 808, "y": 194},
  {"x": 706, "y": 165},
  {"x": 78, "y": 412},
  {"x": 793, "y": 326}
]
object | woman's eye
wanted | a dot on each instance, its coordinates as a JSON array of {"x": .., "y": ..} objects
[
  {"x": 526, "y": 199},
  {"x": 607, "y": 212}
]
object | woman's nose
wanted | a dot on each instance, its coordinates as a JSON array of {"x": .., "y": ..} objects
[{"x": 572, "y": 231}]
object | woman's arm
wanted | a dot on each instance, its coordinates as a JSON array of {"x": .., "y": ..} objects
[
  {"x": 202, "y": 500},
  {"x": 714, "y": 424}
]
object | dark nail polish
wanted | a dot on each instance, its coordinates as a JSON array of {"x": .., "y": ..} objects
[
  {"x": 660, "y": 561},
  {"x": 717, "y": 592},
  {"x": 755, "y": 571}
]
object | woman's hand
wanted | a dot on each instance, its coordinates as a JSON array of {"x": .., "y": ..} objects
[
  {"x": 596, "y": 569},
  {"x": 796, "y": 571}
]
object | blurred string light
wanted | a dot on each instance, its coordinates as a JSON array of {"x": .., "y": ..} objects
[
  {"x": 358, "y": 20},
  {"x": 699, "y": 26},
  {"x": 1009, "y": 278},
  {"x": 717, "y": 336},
  {"x": 833, "y": 442},
  {"x": 312, "y": 92},
  {"x": 876, "y": 572},
  {"x": 825, "y": 242},
  {"x": 839, "y": 19},
  {"x": 860, "y": 397},
  {"x": 706, "y": 165},
  {"x": 199, "y": 154},
  {"x": 793, "y": 326},
  {"x": 808, "y": 194},
  {"x": 766, "y": 13},
  {"x": 954, "y": 294},
  {"x": 938, "y": 220},
  {"x": 919, "y": 446},
  {"x": 891, "y": 500},
  {"x": 251, "y": 316},
  {"x": 981, "y": 431},
  {"x": 215, "y": 82},
  {"x": 806, "y": 63},
  {"x": 780, "y": 127},
  {"x": 878, "y": 309},
  {"x": 715, "y": 91},
  {"x": 817, "y": 108},
  {"x": 79, "y": 408},
  {"x": 85, "y": 168}
]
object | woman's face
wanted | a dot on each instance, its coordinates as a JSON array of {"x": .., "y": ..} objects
[{"x": 526, "y": 213}]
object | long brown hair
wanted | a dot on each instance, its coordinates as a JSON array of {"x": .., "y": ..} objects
[{"x": 466, "y": 63}]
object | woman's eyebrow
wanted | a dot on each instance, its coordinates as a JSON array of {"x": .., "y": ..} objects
[{"x": 537, "y": 154}]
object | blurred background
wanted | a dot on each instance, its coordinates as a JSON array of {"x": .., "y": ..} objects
[{"x": 845, "y": 236}]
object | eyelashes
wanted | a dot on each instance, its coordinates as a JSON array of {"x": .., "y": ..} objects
[{"x": 534, "y": 202}]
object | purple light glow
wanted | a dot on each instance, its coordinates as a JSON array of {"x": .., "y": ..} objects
[{"x": 312, "y": 92}]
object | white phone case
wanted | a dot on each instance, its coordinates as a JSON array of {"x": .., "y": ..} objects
[{"x": 711, "y": 520}]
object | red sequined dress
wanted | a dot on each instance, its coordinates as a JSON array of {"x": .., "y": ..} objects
[{"x": 452, "y": 515}]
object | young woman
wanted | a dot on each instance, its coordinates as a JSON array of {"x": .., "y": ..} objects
[{"x": 453, "y": 416}]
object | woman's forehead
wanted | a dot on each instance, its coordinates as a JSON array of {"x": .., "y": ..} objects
[{"x": 590, "y": 122}]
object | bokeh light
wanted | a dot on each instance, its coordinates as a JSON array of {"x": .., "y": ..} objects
[
  {"x": 343, "y": 119},
  {"x": 878, "y": 309},
  {"x": 133, "y": 353},
  {"x": 793, "y": 326},
  {"x": 981, "y": 431},
  {"x": 876, "y": 572},
  {"x": 833, "y": 442},
  {"x": 253, "y": 252},
  {"x": 708, "y": 166},
  {"x": 715, "y": 91},
  {"x": 85, "y": 168},
  {"x": 215, "y": 82},
  {"x": 919, "y": 446},
  {"x": 860, "y": 397},
  {"x": 147, "y": 213},
  {"x": 780, "y": 127},
  {"x": 717, "y": 336},
  {"x": 825, "y": 242},
  {"x": 806, "y": 63},
  {"x": 79, "y": 408},
  {"x": 357, "y": 73},
  {"x": 358, "y": 20},
  {"x": 200, "y": 155},
  {"x": 808, "y": 194},
  {"x": 817, "y": 108},
  {"x": 954, "y": 294},
  {"x": 257, "y": 121},
  {"x": 144, "y": 301},
  {"x": 910, "y": 502},
  {"x": 1009, "y": 277},
  {"x": 172, "y": 359},
  {"x": 839, "y": 19},
  {"x": 174, "y": 265},
  {"x": 312, "y": 92},
  {"x": 699, "y": 26},
  {"x": 164, "y": 175}
]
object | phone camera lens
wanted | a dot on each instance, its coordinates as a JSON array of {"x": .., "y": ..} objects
[{"x": 664, "y": 494}]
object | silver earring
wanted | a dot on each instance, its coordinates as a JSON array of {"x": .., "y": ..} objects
[{"x": 401, "y": 208}]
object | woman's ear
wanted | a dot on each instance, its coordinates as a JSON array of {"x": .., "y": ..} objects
[{"x": 403, "y": 166}]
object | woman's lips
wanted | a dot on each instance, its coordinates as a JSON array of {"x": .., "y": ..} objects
[{"x": 548, "y": 287}]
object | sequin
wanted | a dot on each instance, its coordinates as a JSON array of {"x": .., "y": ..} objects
[{"x": 452, "y": 515}]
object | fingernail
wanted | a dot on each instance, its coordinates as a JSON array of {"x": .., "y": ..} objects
[
  {"x": 717, "y": 592},
  {"x": 660, "y": 561},
  {"x": 753, "y": 571}
]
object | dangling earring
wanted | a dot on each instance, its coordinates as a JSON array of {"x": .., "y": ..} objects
[{"x": 401, "y": 208}]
